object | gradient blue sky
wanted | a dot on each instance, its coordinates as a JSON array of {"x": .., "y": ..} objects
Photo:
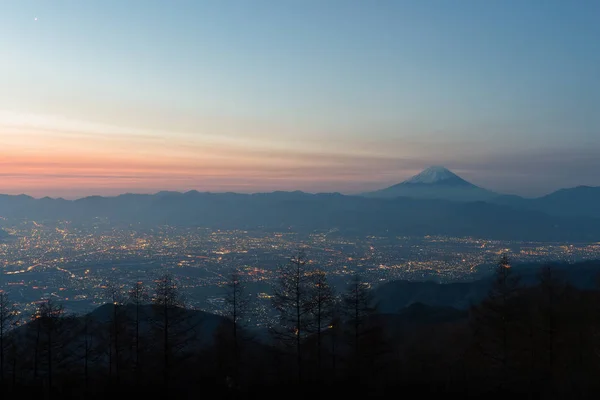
[{"x": 106, "y": 96}]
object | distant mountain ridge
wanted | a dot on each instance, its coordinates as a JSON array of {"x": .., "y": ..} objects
[
  {"x": 304, "y": 212},
  {"x": 576, "y": 201},
  {"x": 434, "y": 202}
]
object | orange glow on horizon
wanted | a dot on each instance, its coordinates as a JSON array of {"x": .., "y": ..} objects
[
  {"x": 57, "y": 161},
  {"x": 77, "y": 171}
]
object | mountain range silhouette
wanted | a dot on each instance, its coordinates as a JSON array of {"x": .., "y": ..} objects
[{"x": 435, "y": 202}]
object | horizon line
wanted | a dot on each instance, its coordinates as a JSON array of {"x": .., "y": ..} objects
[{"x": 155, "y": 193}]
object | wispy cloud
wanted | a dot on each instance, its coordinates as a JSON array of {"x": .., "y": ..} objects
[{"x": 43, "y": 154}]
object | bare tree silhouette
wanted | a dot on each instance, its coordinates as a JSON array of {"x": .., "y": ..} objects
[
  {"x": 292, "y": 299},
  {"x": 88, "y": 346},
  {"x": 52, "y": 317},
  {"x": 138, "y": 296},
  {"x": 116, "y": 296},
  {"x": 494, "y": 320},
  {"x": 322, "y": 308},
  {"x": 8, "y": 319},
  {"x": 170, "y": 315},
  {"x": 236, "y": 308},
  {"x": 551, "y": 289},
  {"x": 357, "y": 307}
]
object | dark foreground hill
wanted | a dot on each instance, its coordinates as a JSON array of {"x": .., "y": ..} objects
[
  {"x": 537, "y": 339},
  {"x": 194, "y": 327},
  {"x": 396, "y": 295}
]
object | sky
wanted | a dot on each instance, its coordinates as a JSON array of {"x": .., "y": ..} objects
[{"x": 111, "y": 96}]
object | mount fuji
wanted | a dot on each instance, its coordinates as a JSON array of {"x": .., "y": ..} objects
[{"x": 435, "y": 182}]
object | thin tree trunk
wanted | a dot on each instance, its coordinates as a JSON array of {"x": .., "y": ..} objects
[
  {"x": 333, "y": 355},
  {"x": 137, "y": 341},
  {"x": 116, "y": 341},
  {"x": 4, "y": 321},
  {"x": 235, "y": 338},
  {"x": 2, "y": 342},
  {"x": 319, "y": 335},
  {"x": 36, "y": 351},
  {"x": 298, "y": 354},
  {"x": 49, "y": 335},
  {"x": 14, "y": 366},
  {"x": 551, "y": 336},
  {"x": 110, "y": 353},
  {"x": 504, "y": 334},
  {"x": 166, "y": 346},
  {"x": 356, "y": 322},
  {"x": 87, "y": 349},
  {"x": 532, "y": 359}
]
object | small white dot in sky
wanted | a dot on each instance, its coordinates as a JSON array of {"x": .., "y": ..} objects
[{"x": 35, "y": 19}]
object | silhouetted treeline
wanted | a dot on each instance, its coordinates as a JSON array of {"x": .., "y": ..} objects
[{"x": 540, "y": 341}]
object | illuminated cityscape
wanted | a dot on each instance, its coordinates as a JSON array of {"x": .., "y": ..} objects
[{"x": 74, "y": 263}]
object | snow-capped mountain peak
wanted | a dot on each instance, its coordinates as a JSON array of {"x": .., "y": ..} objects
[
  {"x": 435, "y": 183},
  {"x": 434, "y": 174}
]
